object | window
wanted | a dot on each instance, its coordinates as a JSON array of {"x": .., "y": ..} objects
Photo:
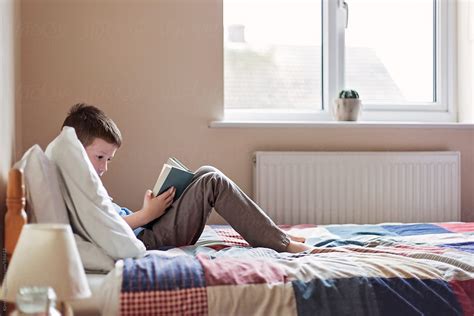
[{"x": 287, "y": 59}]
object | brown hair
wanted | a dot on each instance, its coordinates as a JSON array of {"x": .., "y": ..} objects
[{"x": 90, "y": 122}]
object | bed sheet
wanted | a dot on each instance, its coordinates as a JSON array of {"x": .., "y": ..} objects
[
  {"x": 105, "y": 289},
  {"x": 385, "y": 269}
]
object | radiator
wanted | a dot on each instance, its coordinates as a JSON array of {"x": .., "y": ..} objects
[{"x": 358, "y": 187}]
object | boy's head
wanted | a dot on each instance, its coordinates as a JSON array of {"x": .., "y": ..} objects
[
  {"x": 98, "y": 134},
  {"x": 90, "y": 122}
]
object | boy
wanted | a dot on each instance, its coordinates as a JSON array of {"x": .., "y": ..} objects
[{"x": 162, "y": 222}]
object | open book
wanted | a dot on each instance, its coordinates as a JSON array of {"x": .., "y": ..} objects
[{"x": 173, "y": 174}]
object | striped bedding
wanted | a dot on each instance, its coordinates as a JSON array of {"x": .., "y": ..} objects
[{"x": 386, "y": 269}]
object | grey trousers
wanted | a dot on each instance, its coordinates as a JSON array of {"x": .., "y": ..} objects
[{"x": 184, "y": 220}]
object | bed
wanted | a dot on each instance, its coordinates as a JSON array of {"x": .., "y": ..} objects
[{"x": 384, "y": 269}]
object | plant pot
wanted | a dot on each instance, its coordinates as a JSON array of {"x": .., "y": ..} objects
[{"x": 346, "y": 109}]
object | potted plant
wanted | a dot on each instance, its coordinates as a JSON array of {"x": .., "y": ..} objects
[{"x": 347, "y": 106}]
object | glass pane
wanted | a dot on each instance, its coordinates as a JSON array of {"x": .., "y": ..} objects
[
  {"x": 390, "y": 50},
  {"x": 272, "y": 54}
]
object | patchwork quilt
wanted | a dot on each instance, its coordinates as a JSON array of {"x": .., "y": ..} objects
[{"x": 386, "y": 269}]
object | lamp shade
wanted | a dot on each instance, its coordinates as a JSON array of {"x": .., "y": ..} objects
[{"x": 46, "y": 255}]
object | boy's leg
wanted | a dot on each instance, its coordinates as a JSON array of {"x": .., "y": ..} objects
[{"x": 184, "y": 221}]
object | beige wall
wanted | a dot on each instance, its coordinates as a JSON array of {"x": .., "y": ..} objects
[
  {"x": 9, "y": 81},
  {"x": 156, "y": 67}
]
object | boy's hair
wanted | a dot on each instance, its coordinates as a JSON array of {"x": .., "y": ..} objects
[{"x": 90, "y": 122}]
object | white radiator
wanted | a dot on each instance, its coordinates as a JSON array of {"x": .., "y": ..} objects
[{"x": 358, "y": 187}]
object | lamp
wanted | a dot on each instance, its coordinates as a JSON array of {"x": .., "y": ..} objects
[{"x": 46, "y": 255}]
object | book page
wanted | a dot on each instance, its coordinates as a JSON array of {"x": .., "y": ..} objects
[
  {"x": 161, "y": 178},
  {"x": 173, "y": 161}
]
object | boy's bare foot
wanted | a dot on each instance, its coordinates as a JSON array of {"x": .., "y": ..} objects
[
  {"x": 295, "y": 246},
  {"x": 297, "y": 238}
]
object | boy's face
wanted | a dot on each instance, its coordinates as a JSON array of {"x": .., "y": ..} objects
[{"x": 100, "y": 154}]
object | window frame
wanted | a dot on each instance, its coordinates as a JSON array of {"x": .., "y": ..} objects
[{"x": 333, "y": 29}]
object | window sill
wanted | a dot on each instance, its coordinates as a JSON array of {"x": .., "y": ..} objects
[{"x": 336, "y": 124}]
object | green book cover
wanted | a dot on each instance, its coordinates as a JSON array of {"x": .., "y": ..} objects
[{"x": 172, "y": 176}]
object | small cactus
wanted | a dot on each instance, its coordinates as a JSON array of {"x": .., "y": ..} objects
[{"x": 348, "y": 94}]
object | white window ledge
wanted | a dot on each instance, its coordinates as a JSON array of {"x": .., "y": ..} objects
[{"x": 336, "y": 124}]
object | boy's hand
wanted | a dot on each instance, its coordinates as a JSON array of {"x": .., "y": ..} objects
[{"x": 154, "y": 207}]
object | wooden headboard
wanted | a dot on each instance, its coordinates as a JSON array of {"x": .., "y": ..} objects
[{"x": 15, "y": 217}]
